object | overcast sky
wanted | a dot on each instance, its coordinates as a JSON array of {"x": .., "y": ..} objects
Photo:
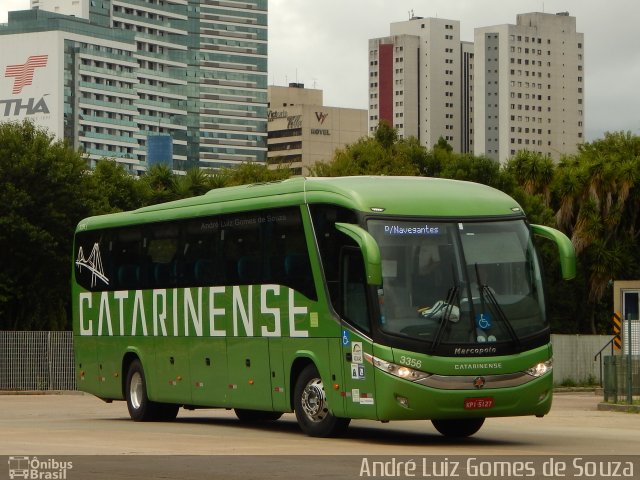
[{"x": 324, "y": 44}]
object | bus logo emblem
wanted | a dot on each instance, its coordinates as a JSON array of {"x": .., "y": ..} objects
[
  {"x": 93, "y": 263},
  {"x": 479, "y": 382}
]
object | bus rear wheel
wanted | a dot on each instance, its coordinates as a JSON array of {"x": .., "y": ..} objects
[
  {"x": 141, "y": 409},
  {"x": 311, "y": 407},
  {"x": 458, "y": 427}
]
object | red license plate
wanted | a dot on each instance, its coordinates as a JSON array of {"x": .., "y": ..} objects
[{"x": 478, "y": 403}]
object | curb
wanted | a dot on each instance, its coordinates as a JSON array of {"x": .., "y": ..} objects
[{"x": 616, "y": 407}]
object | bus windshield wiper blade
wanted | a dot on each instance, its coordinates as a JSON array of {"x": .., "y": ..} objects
[
  {"x": 486, "y": 292},
  {"x": 446, "y": 314}
]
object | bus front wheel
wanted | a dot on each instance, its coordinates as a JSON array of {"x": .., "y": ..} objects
[
  {"x": 311, "y": 407},
  {"x": 141, "y": 409},
  {"x": 458, "y": 427}
]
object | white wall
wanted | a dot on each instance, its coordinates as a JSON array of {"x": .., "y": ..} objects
[{"x": 573, "y": 357}]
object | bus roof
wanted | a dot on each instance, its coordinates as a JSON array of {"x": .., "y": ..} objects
[{"x": 409, "y": 196}]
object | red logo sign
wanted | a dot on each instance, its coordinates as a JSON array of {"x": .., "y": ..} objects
[{"x": 23, "y": 74}]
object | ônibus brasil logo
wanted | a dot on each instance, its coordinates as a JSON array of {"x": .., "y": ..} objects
[
  {"x": 32, "y": 468},
  {"x": 23, "y": 74}
]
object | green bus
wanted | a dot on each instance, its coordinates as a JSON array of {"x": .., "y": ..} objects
[{"x": 383, "y": 298}]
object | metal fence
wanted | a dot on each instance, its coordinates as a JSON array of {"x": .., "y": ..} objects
[
  {"x": 622, "y": 378},
  {"x": 37, "y": 361}
]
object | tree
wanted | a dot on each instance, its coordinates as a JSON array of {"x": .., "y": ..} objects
[
  {"x": 43, "y": 192},
  {"x": 382, "y": 154},
  {"x": 114, "y": 190},
  {"x": 598, "y": 196},
  {"x": 253, "y": 172},
  {"x": 474, "y": 169},
  {"x": 160, "y": 183},
  {"x": 194, "y": 182},
  {"x": 533, "y": 171}
]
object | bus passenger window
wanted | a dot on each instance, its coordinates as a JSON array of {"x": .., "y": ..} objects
[{"x": 354, "y": 288}]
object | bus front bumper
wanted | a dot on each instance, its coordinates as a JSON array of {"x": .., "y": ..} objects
[{"x": 404, "y": 400}]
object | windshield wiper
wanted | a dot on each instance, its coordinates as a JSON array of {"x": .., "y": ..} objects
[
  {"x": 494, "y": 306},
  {"x": 446, "y": 314}
]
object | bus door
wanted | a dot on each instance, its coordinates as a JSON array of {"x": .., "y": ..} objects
[{"x": 359, "y": 385}]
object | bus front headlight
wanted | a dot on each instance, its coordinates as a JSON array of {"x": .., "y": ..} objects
[
  {"x": 540, "y": 369},
  {"x": 399, "y": 371}
]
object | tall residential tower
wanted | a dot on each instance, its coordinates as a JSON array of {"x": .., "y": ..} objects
[
  {"x": 517, "y": 87},
  {"x": 529, "y": 87},
  {"x": 415, "y": 82}
]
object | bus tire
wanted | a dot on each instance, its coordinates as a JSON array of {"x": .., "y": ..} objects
[
  {"x": 141, "y": 409},
  {"x": 458, "y": 427},
  {"x": 311, "y": 407},
  {"x": 166, "y": 412},
  {"x": 256, "y": 416}
]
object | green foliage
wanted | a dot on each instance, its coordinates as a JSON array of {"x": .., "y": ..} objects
[
  {"x": 252, "y": 172},
  {"x": 113, "y": 190},
  {"x": 43, "y": 192},
  {"x": 382, "y": 154},
  {"x": 160, "y": 184},
  {"x": 597, "y": 195}
]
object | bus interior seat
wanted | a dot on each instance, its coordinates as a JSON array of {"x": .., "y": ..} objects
[
  {"x": 249, "y": 270},
  {"x": 163, "y": 274},
  {"x": 205, "y": 272}
]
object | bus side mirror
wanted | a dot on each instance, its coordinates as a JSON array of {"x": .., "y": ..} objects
[
  {"x": 368, "y": 247},
  {"x": 565, "y": 248}
]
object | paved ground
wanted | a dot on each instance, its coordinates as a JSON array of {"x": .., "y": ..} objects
[
  {"x": 82, "y": 424},
  {"x": 78, "y": 437}
]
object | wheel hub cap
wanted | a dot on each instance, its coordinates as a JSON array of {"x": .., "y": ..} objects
[{"x": 314, "y": 401}]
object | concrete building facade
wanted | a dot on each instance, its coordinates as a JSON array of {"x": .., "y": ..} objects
[
  {"x": 123, "y": 70},
  {"x": 302, "y": 131},
  {"x": 529, "y": 87},
  {"x": 415, "y": 80}
]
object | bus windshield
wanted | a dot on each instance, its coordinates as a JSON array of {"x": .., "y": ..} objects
[{"x": 459, "y": 283}]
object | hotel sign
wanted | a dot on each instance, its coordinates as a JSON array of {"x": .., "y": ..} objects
[
  {"x": 321, "y": 117},
  {"x": 276, "y": 114}
]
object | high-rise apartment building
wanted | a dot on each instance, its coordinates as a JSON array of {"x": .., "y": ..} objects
[
  {"x": 529, "y": 87},
  {"x": 112, "y": 73},
  {"x": 415, "y": 80},
  {"x": 517, "y": 87}
]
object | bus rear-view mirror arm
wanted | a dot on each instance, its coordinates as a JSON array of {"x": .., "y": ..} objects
[
  {"x": 369, "y": 248},
  {"x": 565, "y": 248}
]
